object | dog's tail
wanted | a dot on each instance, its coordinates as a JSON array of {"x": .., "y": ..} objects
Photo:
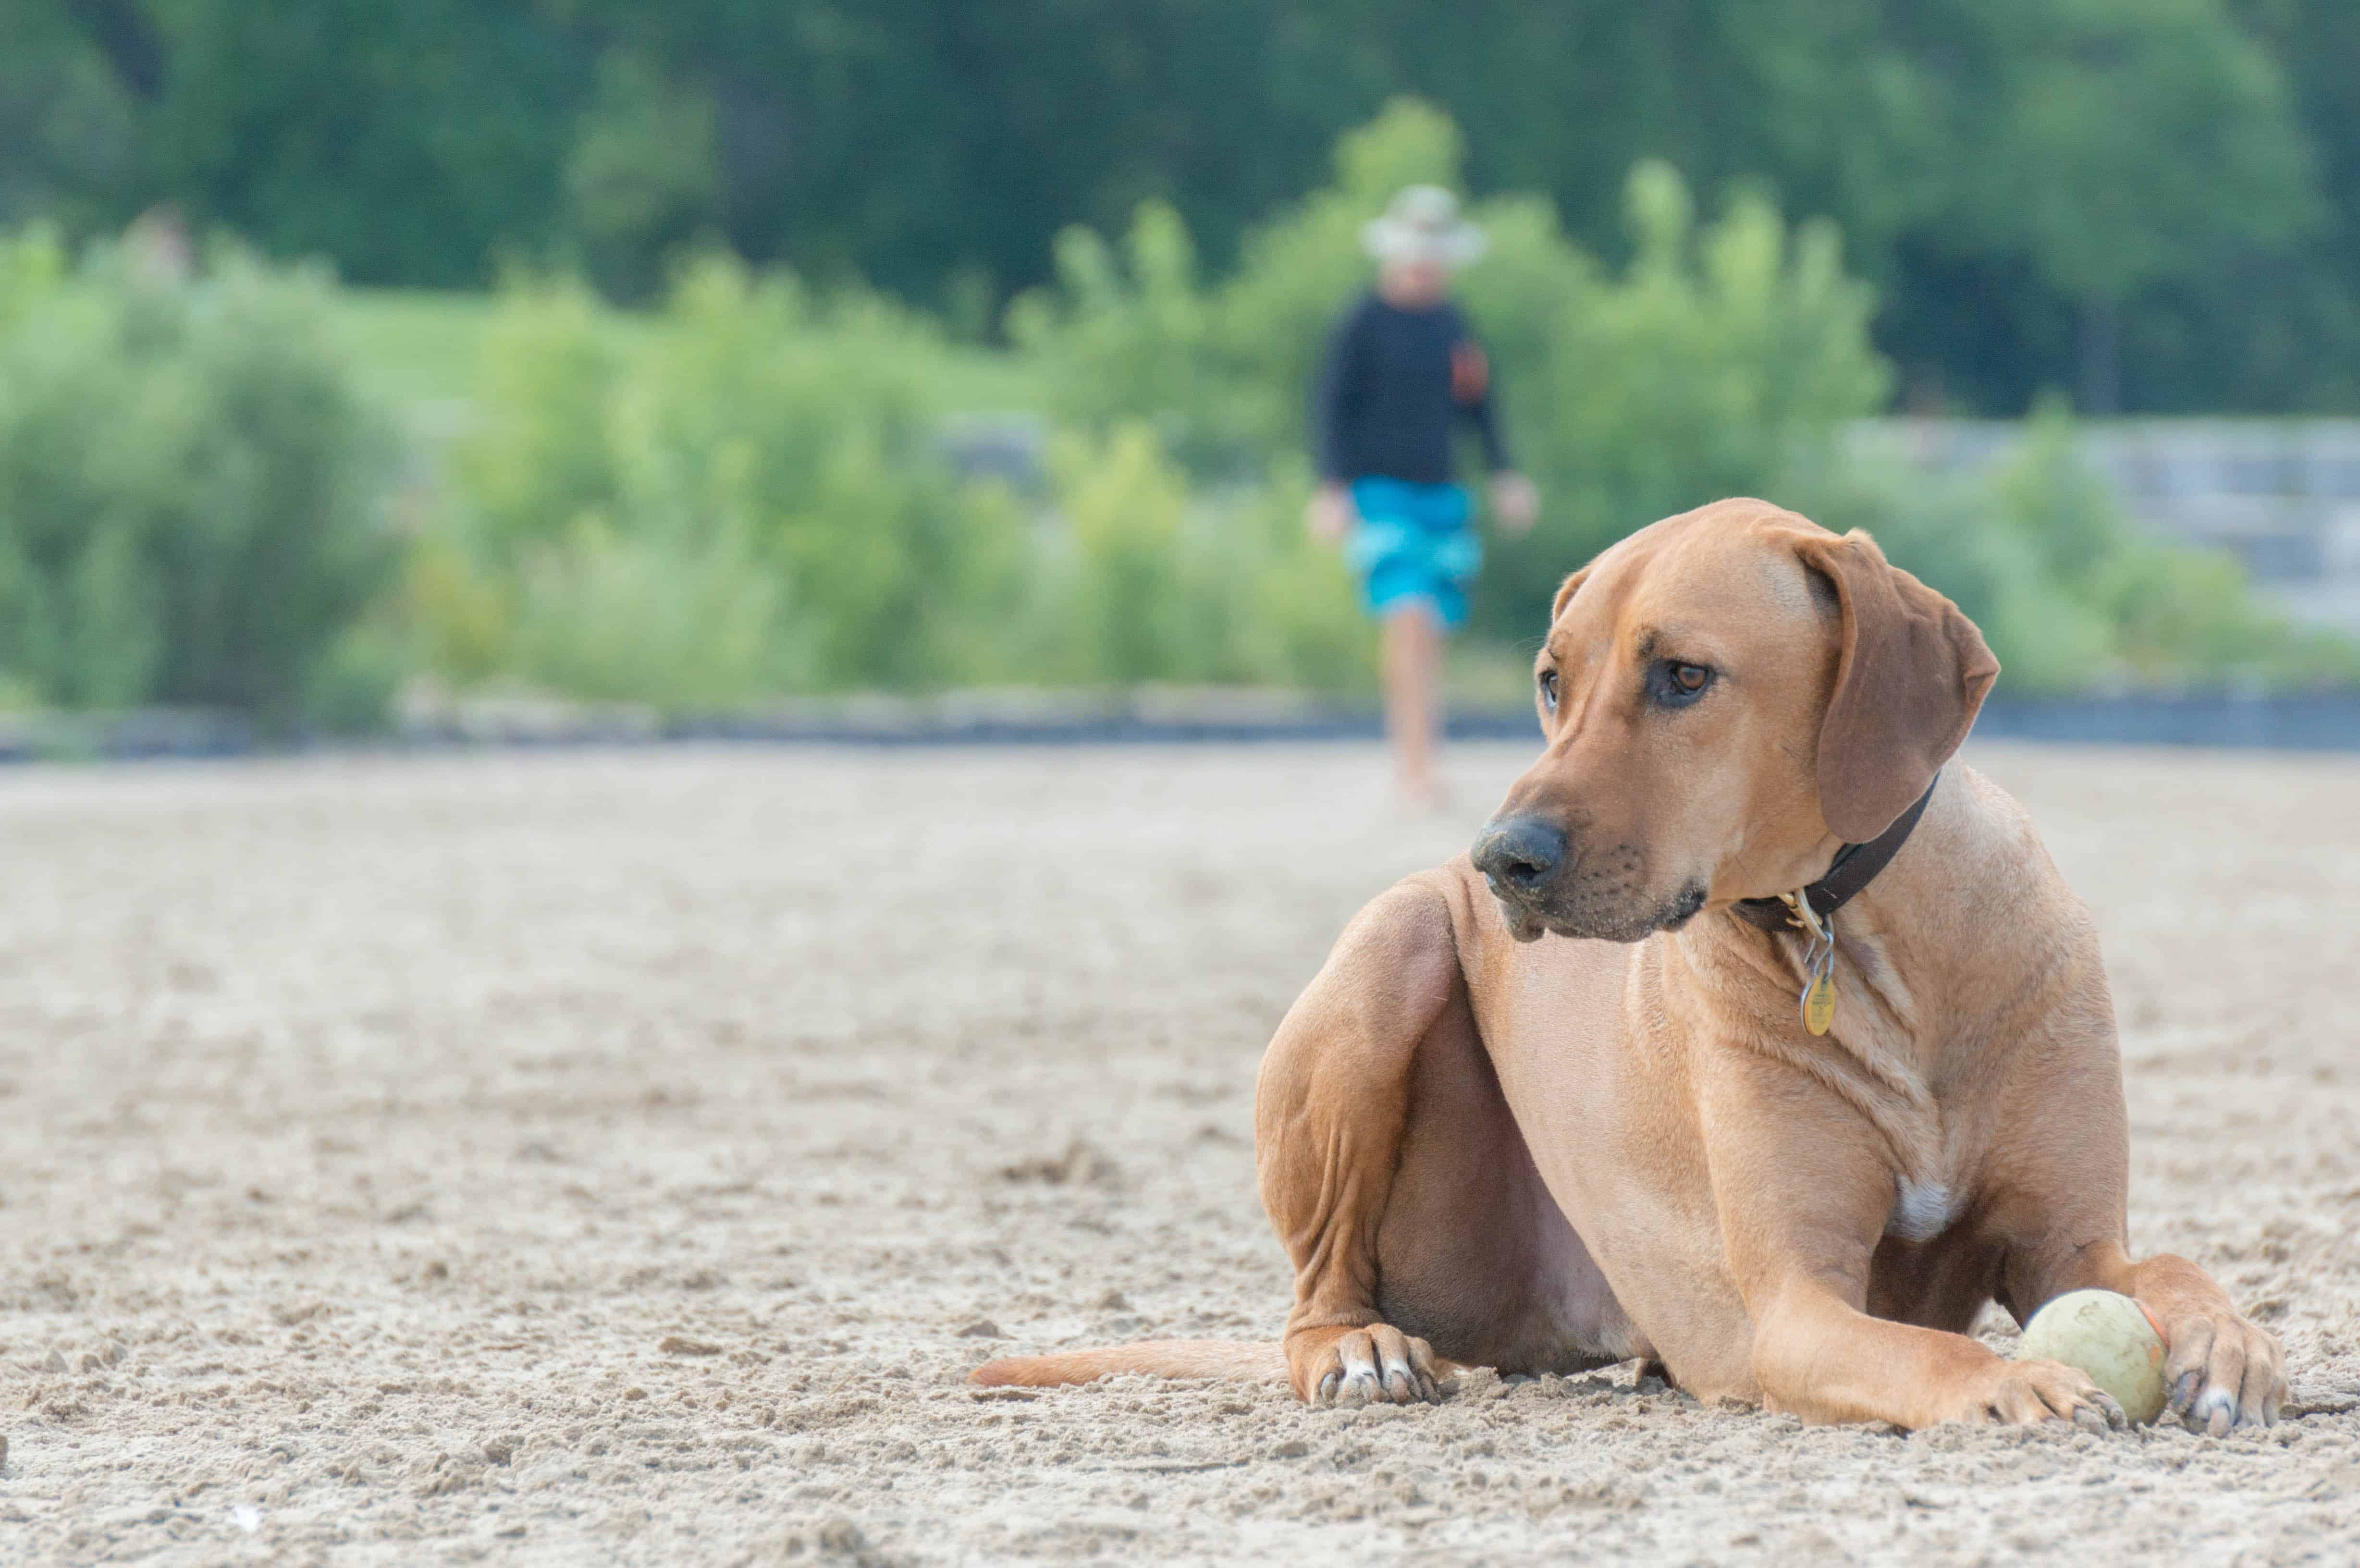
[{"x": 1258, "y": 1363}]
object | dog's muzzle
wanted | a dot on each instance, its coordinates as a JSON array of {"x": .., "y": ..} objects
[
  {"x": 1527, "y": 861},
  {"x": 1518, "y": 857}
]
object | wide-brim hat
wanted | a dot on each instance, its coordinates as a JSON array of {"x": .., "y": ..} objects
[{"x": 1422, "y": 224}]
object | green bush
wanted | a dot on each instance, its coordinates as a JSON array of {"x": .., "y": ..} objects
[
  {"x": 690, "y": 622},
  {"x": 1142, "y": 580},
  {"x": 2173, "y": 615},
  {"x": 2070, "y": 595},
  {"x": 191, "y": 494},
  {"x": 1953, "y": 535},
  {"x": 744, "y": 491},
  {"x": 540, "y": 454},
  {"x": 1722, "y": 362},
  {"x": 747, "y": 496},
  {"x": 1129, "y": 338},
  {"x": 754, "y": 461}
]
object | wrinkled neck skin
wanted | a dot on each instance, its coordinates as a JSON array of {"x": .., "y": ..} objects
[{"x": 1935, "y": 936}]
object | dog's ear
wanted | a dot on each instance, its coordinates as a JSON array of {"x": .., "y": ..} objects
[
  {"x": 1565, "y": 593},
  {"x": 1911, "y": 673}
]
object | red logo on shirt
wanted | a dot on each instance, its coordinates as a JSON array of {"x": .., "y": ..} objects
[{"x": 1470, "y": 374}]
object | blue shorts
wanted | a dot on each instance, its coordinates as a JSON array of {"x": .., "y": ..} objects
[{"x": 1413, "y": 543}]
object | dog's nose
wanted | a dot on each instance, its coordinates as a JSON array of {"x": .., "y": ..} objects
[{"x": 1520, "y": 853}]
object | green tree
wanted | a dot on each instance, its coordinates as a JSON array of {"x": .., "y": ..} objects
[
  {"x": 69, "y": 127},
  {"x": 2112, "y": 134},
  {"x": 2304, "y": 337},
  {"x": 643, "y": 175},
  {"x": 192, "y": 492},
  {"x": 2101, "y": 192},
  {"x": 406, "y": 142}
]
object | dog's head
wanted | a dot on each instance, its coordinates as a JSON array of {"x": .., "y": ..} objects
[{"x": 1726, "y": 696}]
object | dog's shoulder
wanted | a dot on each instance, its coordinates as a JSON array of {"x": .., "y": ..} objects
[{"x": 1998, "y": 844}]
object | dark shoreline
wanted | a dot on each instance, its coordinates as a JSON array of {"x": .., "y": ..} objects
[{"x": 2328, "y": 722}]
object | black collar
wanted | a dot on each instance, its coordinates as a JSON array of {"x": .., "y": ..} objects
[{"x": 1854, "y": 866}]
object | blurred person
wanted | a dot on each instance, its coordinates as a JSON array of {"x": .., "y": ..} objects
[{"x": 1402, "y": 368}]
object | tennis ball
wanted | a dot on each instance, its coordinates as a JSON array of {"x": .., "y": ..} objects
[{"x": 2110, "y": 1338}]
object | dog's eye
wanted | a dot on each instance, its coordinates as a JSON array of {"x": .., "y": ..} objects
[
  {"x": 1548, "y": 688},
  {"x": 1675, "y": 684}
]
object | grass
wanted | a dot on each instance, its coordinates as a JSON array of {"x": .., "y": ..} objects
[
  {"x": 413, "y": 347},
  {"x": 415, "y": 352}
]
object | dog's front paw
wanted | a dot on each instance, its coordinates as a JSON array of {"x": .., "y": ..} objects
[
  {"x": 1378, "y": 1364},
  {"x": 2027, "y": 1393},
  {"x": 2221, "y": 1370}
]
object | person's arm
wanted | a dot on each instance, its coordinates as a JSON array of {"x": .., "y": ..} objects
[
  {"x": 1472, "y": 395},
  {"x": 1335, "y": 403},
  {"x": 1514, "y": 502}
]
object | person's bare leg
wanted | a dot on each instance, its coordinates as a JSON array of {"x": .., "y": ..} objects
[{"x": 1412, "y": 671}]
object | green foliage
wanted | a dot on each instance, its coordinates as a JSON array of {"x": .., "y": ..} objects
[
  {"x": 2173, "y": 615},
  {"x": 2094, "y": 86},
  {"x": 1726, "y": 357},
  {"x": 1144, "y": 581},
  {"x": 1998, "y": 166},
  {"x": 1955, "y": 536},
  {"x": 190, "y": 493},
  {"x": 2070, "y": 597},
  {"x": 1221, "y": 371},
  {"x": 683, "y": 624},
  {"x": 1132, "y": 339},
  {"x": 32, "y": 265},
  {"x": 643, "y": 174},
  {"x": 541, "y": 455},
  {"x": 1127, "y": 594},
  {"x": 70, "y": 130},
  {"x": 745, "y": 492},
  {"x": 408, "y": 142},
  {"x": 747, "y": 497},
  {"x": 1723, "y": 356},
  {"x": 756, "y": 463}
]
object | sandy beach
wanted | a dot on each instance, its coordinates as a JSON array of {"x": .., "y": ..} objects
[{"x": 622, "y": 1157}]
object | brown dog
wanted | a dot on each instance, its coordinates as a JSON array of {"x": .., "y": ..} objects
[{"x": 1531, "y": 1153}]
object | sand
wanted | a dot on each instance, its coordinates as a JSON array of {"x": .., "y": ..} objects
[{"x": 622, "y": 1157}]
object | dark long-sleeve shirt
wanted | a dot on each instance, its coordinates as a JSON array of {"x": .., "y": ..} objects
[{"x": 1391, "y": 383}]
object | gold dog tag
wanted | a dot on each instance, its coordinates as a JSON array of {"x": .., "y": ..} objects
[
  {"x": 1818, "y": 996},
  {"x": 1820, "y": 1002}
]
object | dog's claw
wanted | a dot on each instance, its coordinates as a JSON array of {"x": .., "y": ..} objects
[
  {"x": 2100, "y": 1413},
  {"x": 2224, "y": 1372},
  {"x": 1376, "y": 1365}
]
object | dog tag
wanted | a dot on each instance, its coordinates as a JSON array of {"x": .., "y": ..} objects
[{"x": 1820, "y": 1002}]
